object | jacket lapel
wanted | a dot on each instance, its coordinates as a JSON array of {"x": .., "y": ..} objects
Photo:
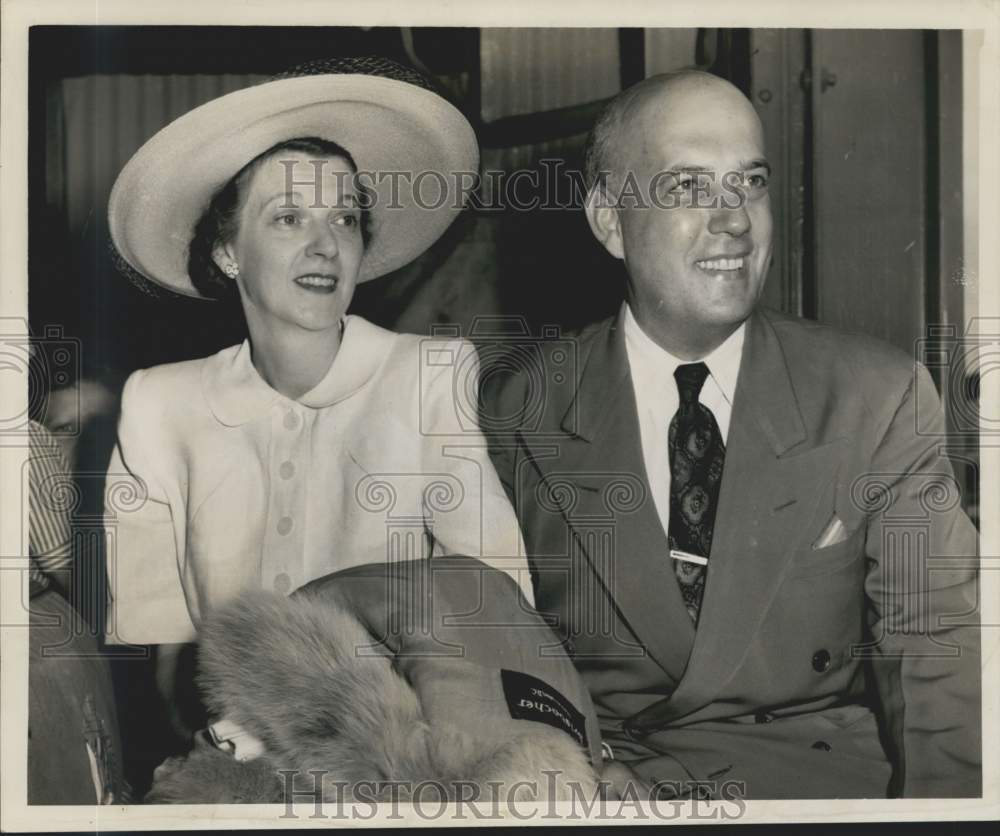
[
  {"x": 610, "y": 509},
  {"x": 771, "y": 483}
]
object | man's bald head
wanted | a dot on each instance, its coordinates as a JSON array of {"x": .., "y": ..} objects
[{"x": 621, "y": 131}]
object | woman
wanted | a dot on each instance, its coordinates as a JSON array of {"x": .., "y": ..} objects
[{"x": 322, "y": 441}]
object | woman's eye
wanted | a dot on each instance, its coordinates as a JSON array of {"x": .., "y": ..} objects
[
  {"x": 683, "y": 184},
  {"x": 756, "y": 181},
  {"x": 287, "y": 219},
  {"x": 346, "y": 220}
]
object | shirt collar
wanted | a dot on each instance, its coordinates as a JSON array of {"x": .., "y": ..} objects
[
  {"x": 236, "y": 393},
  {"x": 723, "y": 363}
]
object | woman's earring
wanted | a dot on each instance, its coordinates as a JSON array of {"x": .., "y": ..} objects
[{"x": 231, "y": 270}]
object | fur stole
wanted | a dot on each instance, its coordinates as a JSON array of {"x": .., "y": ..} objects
[{"x": 290, "y": 672}]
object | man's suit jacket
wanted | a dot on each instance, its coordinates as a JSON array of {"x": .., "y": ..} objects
[{"x": 794, "y": 642}]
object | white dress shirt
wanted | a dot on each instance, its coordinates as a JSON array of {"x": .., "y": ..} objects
[{"x": 656, "y": 399}]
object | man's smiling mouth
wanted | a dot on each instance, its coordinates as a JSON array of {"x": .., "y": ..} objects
[{"x": 717, "y": 265}]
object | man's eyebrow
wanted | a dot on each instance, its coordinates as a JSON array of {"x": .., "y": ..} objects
[
  {"x": 688, "y": 168},
  {"x": 752, "y": 164}
]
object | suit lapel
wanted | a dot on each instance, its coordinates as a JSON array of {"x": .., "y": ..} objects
[
  {"x": 771, "y": 482},
  {"x": 610, "y": 509}
]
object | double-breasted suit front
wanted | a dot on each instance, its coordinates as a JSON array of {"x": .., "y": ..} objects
[{"x": 836, "y": 653}]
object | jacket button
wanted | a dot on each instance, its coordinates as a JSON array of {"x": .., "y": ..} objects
[
  {"x": 821, "y": 661},
  {"x": 762, "y": 717},
  {"x": 822, "y": 745}
]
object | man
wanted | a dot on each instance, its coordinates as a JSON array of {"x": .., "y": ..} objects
[{"x": 740, "y": 534}]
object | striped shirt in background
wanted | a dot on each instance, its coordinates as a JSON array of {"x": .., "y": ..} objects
[{"x": 50, "y": 539}]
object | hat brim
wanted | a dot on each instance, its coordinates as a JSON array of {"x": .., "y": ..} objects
[{"x": 388, "y": 126}]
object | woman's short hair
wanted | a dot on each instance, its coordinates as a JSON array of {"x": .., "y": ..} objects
[{"x": 219, "y": 223}]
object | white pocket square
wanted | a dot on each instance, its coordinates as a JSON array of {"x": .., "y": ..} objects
[{"x": 834, "y": 533}]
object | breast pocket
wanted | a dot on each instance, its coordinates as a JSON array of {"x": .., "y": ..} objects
[{"x": 811, "y": 562}]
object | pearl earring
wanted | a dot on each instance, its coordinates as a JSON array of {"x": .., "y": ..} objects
[{"x": 231, "y": 270}]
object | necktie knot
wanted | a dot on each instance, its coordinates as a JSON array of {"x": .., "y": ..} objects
[{"x": 690, "y": 378}]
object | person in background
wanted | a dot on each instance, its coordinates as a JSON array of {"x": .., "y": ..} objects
[
  {"x": 50, "y": 493},
  {"x": 74, "y": 744},
  {"x": 81, "y": 417}
]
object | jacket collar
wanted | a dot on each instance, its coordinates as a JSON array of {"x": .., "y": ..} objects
[
  {"x": 602, "y": 456},
  {"x": 763, "y": 382},
  {"x": 237, "y": 394},
  {"x": 656, "y": 363},
  {"x": 604, "y": 380}
]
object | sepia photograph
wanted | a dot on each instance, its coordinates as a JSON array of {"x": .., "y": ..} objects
[{"x": 498, "y": 416}]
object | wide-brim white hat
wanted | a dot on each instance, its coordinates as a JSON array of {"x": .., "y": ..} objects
[{"x": 418, "y": 149}]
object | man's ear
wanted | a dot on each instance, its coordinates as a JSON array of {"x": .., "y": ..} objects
[{"x": 604, "y": 220}]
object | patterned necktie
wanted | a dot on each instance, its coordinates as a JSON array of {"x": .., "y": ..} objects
[{"x": 697, "y": 456}]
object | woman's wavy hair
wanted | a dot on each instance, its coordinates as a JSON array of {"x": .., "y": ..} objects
[{"x": 220, "y": 221}]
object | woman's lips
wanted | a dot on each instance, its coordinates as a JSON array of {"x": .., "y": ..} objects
[{"x": 317, "y": 282}]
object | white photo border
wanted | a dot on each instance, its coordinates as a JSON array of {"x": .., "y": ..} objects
[{"x": 981, "y": 24}]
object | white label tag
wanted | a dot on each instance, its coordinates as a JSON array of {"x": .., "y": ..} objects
[{"x": 677, "y": 554}]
